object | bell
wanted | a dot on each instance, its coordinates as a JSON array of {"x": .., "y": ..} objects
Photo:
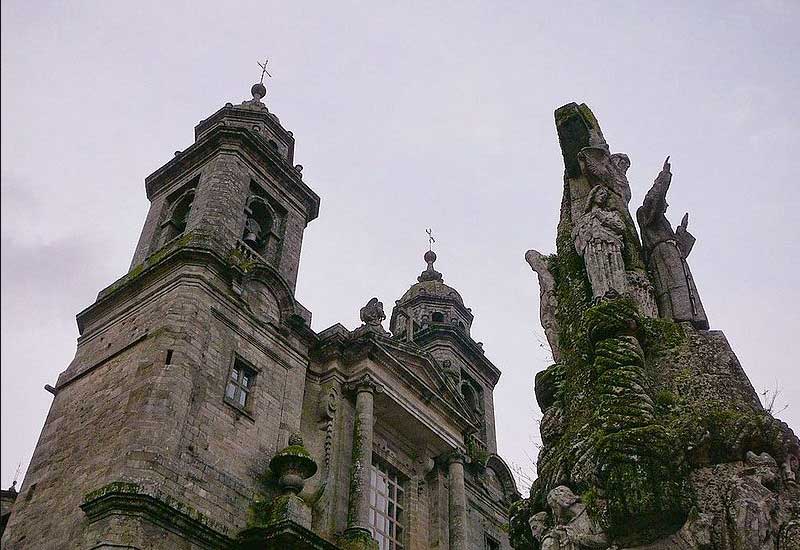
[{"x": 250, "y": 239}]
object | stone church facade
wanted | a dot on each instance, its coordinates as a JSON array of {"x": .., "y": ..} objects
[{"x": 201, "y": 410}]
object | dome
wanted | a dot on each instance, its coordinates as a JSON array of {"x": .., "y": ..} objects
[
  {"x": 432, "y": 288},
  {"x": 431, "y": 283},
  {"x": 429, "y": 302}
]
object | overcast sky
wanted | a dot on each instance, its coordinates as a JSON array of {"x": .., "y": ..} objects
[{"x": 407, "y": 116}]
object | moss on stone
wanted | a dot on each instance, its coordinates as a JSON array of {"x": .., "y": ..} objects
[
  {"x": 356, "y": 539},
  {"x": 355, "y": 472},
  {"x": 114, "y": 487},
  {"x": 150, "y": 261},
  {"x": 519, "y": 530}
]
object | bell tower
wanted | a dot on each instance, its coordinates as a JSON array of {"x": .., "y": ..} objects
[
  {"x": 190, "y": 369},
  {"x": 236, "y": 186}
]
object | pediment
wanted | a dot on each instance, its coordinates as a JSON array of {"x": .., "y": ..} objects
[{"x": 422, "y": 373}]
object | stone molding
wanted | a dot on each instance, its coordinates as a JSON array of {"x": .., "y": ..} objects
[
  {"x": 129, "y": 499},
  {"x": 284, "y": 534}
]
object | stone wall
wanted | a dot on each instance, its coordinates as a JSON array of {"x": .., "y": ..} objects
[{"x": 123, "y": 414}]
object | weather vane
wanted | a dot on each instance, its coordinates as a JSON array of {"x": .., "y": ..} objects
[
  {"x": 264, "y": 70},
  {"x": 431, "y": 240}
]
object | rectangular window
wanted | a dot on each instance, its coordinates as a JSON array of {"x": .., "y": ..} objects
[
  {"x": 240, "y": 384},
  {"x": 386, "y": 515}
]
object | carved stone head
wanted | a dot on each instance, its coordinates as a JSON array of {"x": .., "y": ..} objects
[
  {"x": 597, "y": 196},
  {"x": 561, "y": 501}
]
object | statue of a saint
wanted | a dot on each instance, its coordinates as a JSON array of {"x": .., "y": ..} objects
[
  {"x": 598, "y": 236},
  {"x": 665, "y": 252}
]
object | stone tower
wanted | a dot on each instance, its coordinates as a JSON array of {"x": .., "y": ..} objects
[{"x": 189, "y": 370}]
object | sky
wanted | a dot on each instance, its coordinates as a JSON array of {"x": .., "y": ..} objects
[{"x": 407, "y": 115}]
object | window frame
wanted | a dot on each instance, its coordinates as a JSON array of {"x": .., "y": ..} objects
[
  {"x": 392, "y": 514},
  {"x": 243, "y": 367},
  {"x": 168, "y": 229},
  {"x": 491, "y": 543}
]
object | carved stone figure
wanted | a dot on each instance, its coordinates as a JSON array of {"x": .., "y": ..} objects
[
  {"x": 573, "y": 529},
  {"x": 665, "y": 252},
  {"x": 547, "y": 299},
  {"x": 372, "y": 316},
  {"x": 372, "y": 313},
  {"x": 609, "y": 170},
  {"x": 598, "y": 237}
]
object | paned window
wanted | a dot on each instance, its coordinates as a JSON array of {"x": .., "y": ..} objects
[
  {"x": 386, "y": 516},
  {"x": 240, "y": 383}
]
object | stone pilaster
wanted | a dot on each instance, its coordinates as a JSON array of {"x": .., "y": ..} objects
[
  {"x": 457, "y": 498},
  {"x": 358, "y": 512}
]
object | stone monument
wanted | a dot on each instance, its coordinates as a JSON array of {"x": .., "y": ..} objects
[{"x": 653, "y": 437}]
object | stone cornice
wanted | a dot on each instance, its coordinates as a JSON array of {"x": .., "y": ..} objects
[
  {"x": 433, "y": 299},
  {"x": 247, "y": 112},
  {"x": 285, "y": 534},
  {"x": 223, "y": 138},
  {"x": 122, "y": 498},
  {"x": 193, "y": 250},
  {"x": 442, "y": 397},
  {"x": 431, "y": 333}
]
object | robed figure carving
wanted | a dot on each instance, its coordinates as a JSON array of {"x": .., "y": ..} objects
[
  {"x": 598, "y": 236},
  {"x": 665, "y": 252}
]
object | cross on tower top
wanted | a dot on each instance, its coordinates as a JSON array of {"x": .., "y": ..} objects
[
  {"x": 264, "y": 70},
  {"x": 431, "y": 240}
]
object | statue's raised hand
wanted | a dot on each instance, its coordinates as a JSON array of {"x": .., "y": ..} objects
[
  {"x": 685, "y": 239},
  {"x": 665, "y": 176}
]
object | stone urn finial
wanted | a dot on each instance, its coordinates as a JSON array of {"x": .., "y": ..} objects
[{"x": 293, "y": 465}]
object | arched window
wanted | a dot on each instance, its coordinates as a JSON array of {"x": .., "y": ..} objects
[
  {"x": 178, "y": 216},
  {"x": 471, "y": 397},
  {"x": 257, "y": 225},
  {"x": 437, "y": 317}
]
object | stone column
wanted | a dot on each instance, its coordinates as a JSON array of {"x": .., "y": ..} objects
[
  {"x": 358, "y": 511},
  {"x": 457, "y": 500}
]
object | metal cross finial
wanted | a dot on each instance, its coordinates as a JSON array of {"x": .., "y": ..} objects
[
  {"x": 431, "y": 240},
  {"x": 264, "y": 70}
]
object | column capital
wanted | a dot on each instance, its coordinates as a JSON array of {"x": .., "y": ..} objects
[
  {"x": 365, "y": 383},
  {"x": 456, "y": 456}
]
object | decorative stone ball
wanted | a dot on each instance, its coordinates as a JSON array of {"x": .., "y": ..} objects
[
  {"x": 258, "y": 91},
  {"x": 430, "y": 257}
]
